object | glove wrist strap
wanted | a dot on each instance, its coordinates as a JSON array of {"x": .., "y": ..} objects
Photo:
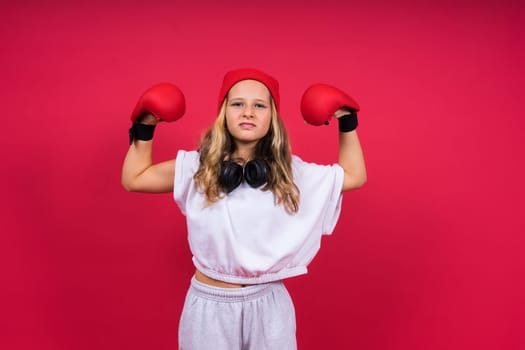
[
  {"x": 141, "y": 132},
  {"x": 348, "y": 122}
]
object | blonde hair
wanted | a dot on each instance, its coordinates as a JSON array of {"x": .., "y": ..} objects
[{"x": 217, "y": 145}]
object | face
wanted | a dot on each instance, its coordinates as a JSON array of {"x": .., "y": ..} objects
[{"x": 248, "y": 112}]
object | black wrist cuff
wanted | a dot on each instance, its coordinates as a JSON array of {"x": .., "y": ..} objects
[
  {"x": 141, "y": 132},
  {"x": 348, "y": 122}
]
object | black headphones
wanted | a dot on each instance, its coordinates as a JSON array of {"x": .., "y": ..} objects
[{"x": 256, "y": 173}]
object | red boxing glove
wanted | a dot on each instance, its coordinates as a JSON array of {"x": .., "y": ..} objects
[
  {"x": 164, "y": 101},
  {"x": 321, "y": 101}
]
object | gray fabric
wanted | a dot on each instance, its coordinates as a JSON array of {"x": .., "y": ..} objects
[{"x": 259, "y": 317}]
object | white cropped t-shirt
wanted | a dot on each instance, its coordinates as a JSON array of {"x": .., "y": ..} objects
[{"x": 245, "y": 237}]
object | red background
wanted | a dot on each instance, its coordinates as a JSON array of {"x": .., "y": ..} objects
[{"x": 427, "y": 255}]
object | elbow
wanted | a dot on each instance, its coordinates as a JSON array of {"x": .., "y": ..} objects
[
  {"x": 353, "y": 183},
  {"x": 361, "y": 178},
  {"x": 363, "y": 181},
  {"x": 359, "y": 183},
  {"x": 127, "y": 185}
]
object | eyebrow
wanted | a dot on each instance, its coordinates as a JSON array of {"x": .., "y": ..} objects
[{"x": 256, "y": 99}]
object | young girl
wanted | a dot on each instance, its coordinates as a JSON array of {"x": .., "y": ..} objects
[{"x": 255, "y": 212}]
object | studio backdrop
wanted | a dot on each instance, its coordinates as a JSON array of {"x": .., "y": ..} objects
[{"x": 427, "y": 255}]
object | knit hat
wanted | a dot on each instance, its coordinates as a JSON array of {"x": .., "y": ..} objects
[{"x": 234, "y": 76}]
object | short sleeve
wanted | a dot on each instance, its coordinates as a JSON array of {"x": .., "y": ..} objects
[
  {"x": 333, "y": 209},
  {"x": 186, "y": 164},
  {"x": 321, "y": 191}
]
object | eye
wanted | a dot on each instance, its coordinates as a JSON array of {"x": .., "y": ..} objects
[
  {"x": 260, "y": 105},
  {"x": 236, "y": 104}
]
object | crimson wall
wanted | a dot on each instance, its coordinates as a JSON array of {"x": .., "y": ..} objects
[{"x": 427, "y": 255}]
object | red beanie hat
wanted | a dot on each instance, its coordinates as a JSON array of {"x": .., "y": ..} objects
[{"x": 234, "y": 76}]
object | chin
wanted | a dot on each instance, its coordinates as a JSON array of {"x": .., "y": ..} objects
[{"x": 247, "y": 140}]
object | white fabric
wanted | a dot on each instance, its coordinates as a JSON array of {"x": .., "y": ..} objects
[{"x": 244, "y": 237}]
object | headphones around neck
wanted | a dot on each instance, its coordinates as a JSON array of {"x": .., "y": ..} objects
[{"x": 255, "y": 172}]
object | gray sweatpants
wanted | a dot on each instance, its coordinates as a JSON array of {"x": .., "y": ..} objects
[{"x": 255, "y": 317}]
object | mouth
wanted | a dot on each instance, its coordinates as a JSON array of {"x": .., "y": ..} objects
[{"x": 247, "y": 125}]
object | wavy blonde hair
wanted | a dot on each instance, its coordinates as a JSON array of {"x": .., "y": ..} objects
[{"x": 217, "y": 145}]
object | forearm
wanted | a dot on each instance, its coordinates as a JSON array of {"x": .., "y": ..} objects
[
  {"x": 351, "y": 160},
  {"x": 137, "y": 161}
]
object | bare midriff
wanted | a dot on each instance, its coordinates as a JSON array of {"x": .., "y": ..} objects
[{"x": 199, "y": 276}]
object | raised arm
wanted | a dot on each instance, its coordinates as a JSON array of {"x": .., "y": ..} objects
[
  {"x": 139, "y": 174},
  {"x": 351, "y": 156},
  {"x": 321, "y": 102}
]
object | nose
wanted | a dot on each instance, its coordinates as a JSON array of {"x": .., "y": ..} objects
[{"x": 248, "y": 111}]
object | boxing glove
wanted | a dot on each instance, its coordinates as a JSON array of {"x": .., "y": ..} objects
[
  {"x": 164, "y": 101},
  {"x": 321, "y": 101}
]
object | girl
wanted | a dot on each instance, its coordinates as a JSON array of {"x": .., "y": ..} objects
[{"x": 255, "y": 212}]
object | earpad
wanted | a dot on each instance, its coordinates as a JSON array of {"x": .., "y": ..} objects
[
  {"x": 255, "y": 172},
  {"x": 231, "y": 176}
]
